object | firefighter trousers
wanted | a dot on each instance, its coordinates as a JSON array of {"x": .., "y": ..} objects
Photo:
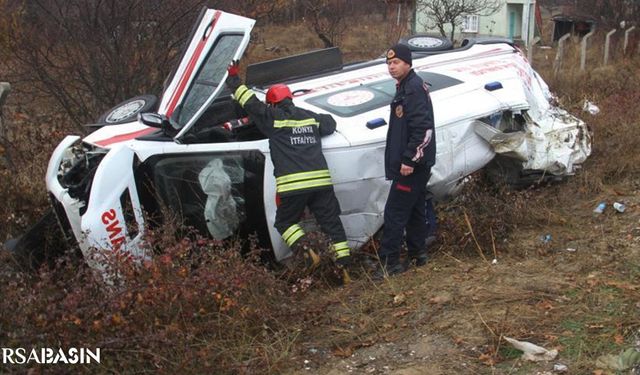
[
  {"x": 324, "y": 206},
  {"x": 405, "y": 211}
]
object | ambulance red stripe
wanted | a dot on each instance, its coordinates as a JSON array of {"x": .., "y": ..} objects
[
  {"x": 125, "y": 137},
  {"x": 192, "y": 64}
]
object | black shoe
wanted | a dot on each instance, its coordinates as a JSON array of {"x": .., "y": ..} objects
[
  {"x": 382, "y": 272},
  {"x": 430, "y": 241},
  {"x": 419, "y": 260}
]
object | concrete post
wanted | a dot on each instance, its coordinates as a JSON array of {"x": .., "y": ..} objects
[
  {"x": 557, "y": 63},
  {"x": 583, "y": 49},
  {"x": 526, "y": 8},
  {"x": 534, "y": 41},
  {"x": 626, "y": 39},
  {"x": 607, "y": 43}
]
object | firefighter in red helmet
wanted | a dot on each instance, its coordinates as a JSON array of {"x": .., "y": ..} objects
[
  {"x": 278, "y": 93},
  {"x": 302, "y": 176}
]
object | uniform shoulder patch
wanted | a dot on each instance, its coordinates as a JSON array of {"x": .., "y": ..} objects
[{"x": 399, "y": 111}]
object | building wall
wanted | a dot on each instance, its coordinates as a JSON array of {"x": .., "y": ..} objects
[{"x": 497, "y": 25}]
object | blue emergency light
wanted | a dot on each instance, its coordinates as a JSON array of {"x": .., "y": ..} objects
[
  {"x": 491, "y": 86},
  {"x": 376, "y": 123}
]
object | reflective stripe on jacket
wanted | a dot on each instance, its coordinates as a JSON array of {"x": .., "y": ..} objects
[{"x": 294, "y": 140}]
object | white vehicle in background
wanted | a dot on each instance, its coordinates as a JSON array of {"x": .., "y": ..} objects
[{"x": 109, "y": 187}]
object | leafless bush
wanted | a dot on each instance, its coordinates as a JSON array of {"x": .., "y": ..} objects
[
  {"x": 197, "y": 308},
  {"x": 88, "y": 54},
  {"x": 327, "y": 19}
]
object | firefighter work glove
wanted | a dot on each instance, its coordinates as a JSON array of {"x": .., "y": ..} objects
[
  {"x": 234, "y": 124},
  {"x": 233, "y": 81}
]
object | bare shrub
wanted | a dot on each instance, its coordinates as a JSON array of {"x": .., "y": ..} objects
[
  {"x": 327, "y": 19},
  {"x": 198, "y": 307},
  {"x": 90, "y": 55}
]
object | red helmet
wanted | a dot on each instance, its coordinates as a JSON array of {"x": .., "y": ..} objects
[{"x": 278, "y": 93}]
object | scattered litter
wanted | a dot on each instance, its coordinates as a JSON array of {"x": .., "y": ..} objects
[
  {"x": 399, "y": 299},
  {"x": 532, "y": 352},
  {"x": 600, "y": 208},
  {"x": 560, "y": 368},
  {"x": 494, "y": 261},
  {"x": 546, "y": 238},
  {"x": 620, "y": 207},
  {"x": 625, "y": 361},
  {"x": 591, "y": 108},
  {"x": 571, "y": 249}
]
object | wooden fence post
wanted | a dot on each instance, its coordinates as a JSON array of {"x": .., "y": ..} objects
[
  {"x": 557, "y": 63},
  {"x": 607, "y": 43},
  {"x": 583, "y": 49},
  {"x": 626, "y": 39}
]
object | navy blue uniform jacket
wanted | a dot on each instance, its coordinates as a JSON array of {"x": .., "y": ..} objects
[{"x": 411, "y": 132}]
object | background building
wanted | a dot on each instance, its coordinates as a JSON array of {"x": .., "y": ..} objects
[{"x": 514, "y": 19}]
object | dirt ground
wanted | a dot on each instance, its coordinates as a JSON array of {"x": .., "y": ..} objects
[{"x": 577, "y": 293}]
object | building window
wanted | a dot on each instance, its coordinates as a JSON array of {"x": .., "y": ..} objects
[{"x": 471, "y": 24}]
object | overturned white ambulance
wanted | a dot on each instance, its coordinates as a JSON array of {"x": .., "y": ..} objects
[{"x": 109, "y": 188}]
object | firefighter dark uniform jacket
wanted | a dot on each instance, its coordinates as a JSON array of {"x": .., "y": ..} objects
[
  {"x": 294, "y": 140},
  {"x": 411, "y": 132}
]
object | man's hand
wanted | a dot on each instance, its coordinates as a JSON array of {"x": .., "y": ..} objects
[
  {"x": 233, "y": 81},
  {"x": 405, "y": 170}
]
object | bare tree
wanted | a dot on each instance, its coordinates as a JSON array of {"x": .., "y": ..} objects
[
  {"x": 613, "y": 13},
  {"x": 397, "y": 17},
  {"x": 440, "y": 13},
  {"x": 609, "y": 13},
  {"x": 327, "y": 19},
  {"x": 91, "y": 54}
]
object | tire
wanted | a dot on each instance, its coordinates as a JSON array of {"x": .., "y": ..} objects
[
  {"x": 128, "y": 110},
  {"x": 43, "y": 242},
  {"x": 426, "y": 43}
]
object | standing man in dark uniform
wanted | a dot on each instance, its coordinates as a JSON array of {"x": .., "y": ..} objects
[
  {"x": 302, "y": 175},
  {"x": 409, "y": 155}
]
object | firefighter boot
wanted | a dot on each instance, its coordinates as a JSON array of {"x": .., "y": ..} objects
[
  {"x": 343, "y": 260},
  {"x": 343, "y": 264},
  {"x": 311, "y": 259}
]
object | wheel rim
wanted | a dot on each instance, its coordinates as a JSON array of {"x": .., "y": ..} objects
[
  {"x": 125, "y": 111},
  {"x": 425, "y": 42}
]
